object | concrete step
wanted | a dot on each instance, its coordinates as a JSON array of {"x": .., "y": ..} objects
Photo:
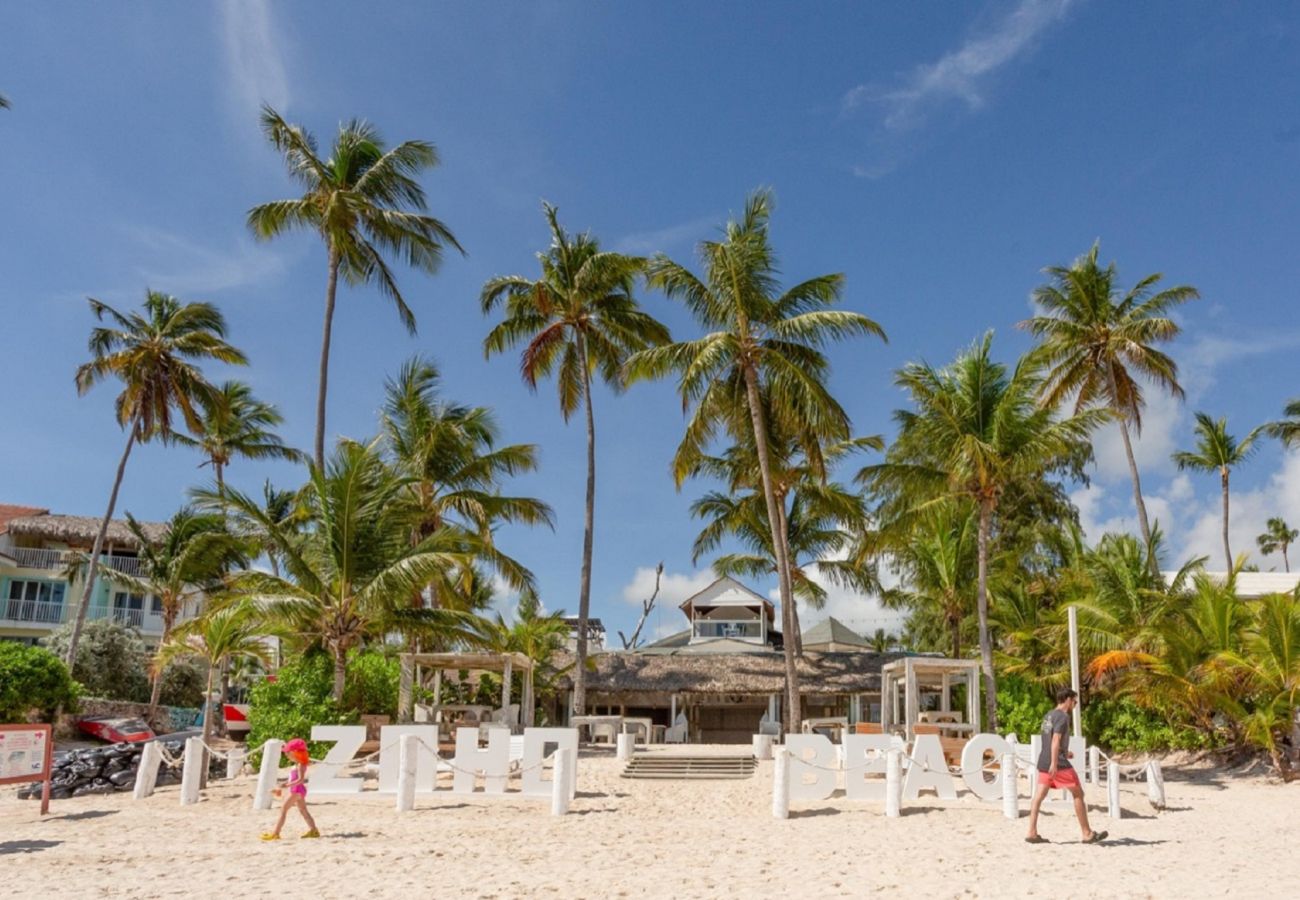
[{"x": 669, "y": 767}]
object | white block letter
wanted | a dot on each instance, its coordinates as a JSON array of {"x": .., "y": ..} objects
[
  {"x": 325, "y": 777},
  {"x": 972, "y": 763},
  {"x": 537, "y": 741},
  {"x": 928, "y": 770},
  {"x": 390, "y": 756},
  {"x": 806, "y": 751},
  {"x": 864, "y": 755},
  {"x": 493, "y": 763}
]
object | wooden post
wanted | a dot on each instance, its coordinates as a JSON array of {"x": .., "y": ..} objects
[
  {"x": 893, "y": 783},
  {"x": 529, "y": 714},
  {"x": 945, "y": 702},
  {"x": 146, "y": 775},
  {"x": 1010, "y": 787},
  {"x": 505, "y": 684},
  {"x": 192, "y": 773},
  {"x": 408, "y": 759},
  {"x": 781, "y": 784},
  {"x": 1113, "y": 809},
  {"x": 267, "y": 774},
  {"x": 406, "y": 679},
  {"x": 560, "y": 780}
]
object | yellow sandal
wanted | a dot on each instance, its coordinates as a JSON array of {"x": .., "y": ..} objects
[
  {"x": 311, "y": 834},
  {"x": 270, "y": 836}
]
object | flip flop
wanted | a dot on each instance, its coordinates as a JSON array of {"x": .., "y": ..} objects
[
  {"x": 1097, "y": 837},
  {"x": 311, "y": 834},
  {"x": 1037, "y": 839},
  {"x": 270, "y": 837}
]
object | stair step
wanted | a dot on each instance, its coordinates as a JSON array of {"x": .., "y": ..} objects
[{"x": 690, "y": 767}]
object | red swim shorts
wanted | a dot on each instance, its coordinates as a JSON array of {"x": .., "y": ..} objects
[{"x": 1065, "y": 778}]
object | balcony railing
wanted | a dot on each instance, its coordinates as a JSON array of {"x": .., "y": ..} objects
[
  {"x": 131, "y": 617},
  {"x": 36, "y": 611},
  {"x": 718, "y": 629},
  {"x": 41, "y": 558}
]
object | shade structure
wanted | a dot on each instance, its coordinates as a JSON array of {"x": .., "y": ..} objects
[
  {"x": 505, "y": 663},
  {"x": 904, "y": 679}
]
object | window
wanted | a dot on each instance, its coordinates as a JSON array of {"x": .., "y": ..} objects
[
  {"x": 155, "y": 605},
  {"x": 30, "y": 600}
]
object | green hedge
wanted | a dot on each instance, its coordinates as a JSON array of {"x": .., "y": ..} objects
[{"x": 33, "y": 678}]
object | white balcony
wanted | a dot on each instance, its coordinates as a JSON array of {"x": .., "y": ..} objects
[
  {"x": 41, "y": 558},
  {"x": 744, "y": 630},
  {"x": 34, "y": 612}
]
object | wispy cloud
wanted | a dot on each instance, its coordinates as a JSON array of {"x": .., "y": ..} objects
[
  {"x": 960, "y": 74},
  {"x": 253, "y": 57},
  {"x": 664, "y": 239},
  {"x": 180, "y": 266}
]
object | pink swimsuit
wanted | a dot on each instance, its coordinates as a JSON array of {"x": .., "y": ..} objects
[{"x": 297, "y": 785}]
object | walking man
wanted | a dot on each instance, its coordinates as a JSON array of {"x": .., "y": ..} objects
[{"x": 1055, "y": 771}]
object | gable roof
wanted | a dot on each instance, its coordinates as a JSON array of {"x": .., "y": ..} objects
[
  {"x": 727, "y": 591},
  {"x": 832, "y": 631}
]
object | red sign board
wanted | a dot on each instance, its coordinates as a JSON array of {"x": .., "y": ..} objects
[{"x": 26, "y": 754}]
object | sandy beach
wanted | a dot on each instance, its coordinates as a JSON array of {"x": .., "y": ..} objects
[{"x": 1223, "y": 834}]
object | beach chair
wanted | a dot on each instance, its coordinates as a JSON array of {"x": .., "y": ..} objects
[
  {"x": 769, "y": 726},
  {"x": 606, "y": 730},
  {"x": 677, "y": 733}
]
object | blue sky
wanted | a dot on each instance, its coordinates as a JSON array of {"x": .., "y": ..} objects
[{"x": 938, "y": 154}]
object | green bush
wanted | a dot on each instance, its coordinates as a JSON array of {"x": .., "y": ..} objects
[
  {"x": 1021, "y": 707},
  {"x": 1122, "y": 726},
  {"x": 33, "y": 678},
  {"x": 371, "y": 683},
  {"x": 182, "y": 684},
  {"x": 298, "y": 698},
  {"x": 112, "y": 661}
]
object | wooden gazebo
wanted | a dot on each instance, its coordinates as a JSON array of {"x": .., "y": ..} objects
[
  {"x": 903, "y": 680},
  {"x": 414, "y": 666}
]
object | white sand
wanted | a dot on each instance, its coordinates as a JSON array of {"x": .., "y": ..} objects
[{"x": 1222, "y": 835}]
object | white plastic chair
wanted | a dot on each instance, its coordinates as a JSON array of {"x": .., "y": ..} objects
[{"x": 677, "y": 733}]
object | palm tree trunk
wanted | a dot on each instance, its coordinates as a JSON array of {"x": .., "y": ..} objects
[
  {"x": 340, "y": 672},
  {"x": 788, "y": 625},
  {"x": 207, "y": 729},
  {"x": 86, "y": 594},
  {"x": 797, "y": 632},
  {"x": 1286, "y": 563},
  {"x": 1138, "y": 502},
  {"x": 330, "y": 289},
  {"x": 225, "y": 695},
  {"x": 982, "y": 598},
  {"x": 584, "y": 584},
  {"x": 1227, "y": 551},
  {"x": 956, "y": 638},
  {"x": 155, "y": 692}
]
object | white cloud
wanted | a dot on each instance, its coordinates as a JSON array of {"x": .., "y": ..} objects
[
  {"x": 673, "y": 588},
  {"x": 861, "y": 612},
  {"x": 959, "y": 74},
  {"x": 664, "y": 239},
  {"x": 178, "y": 265},
  {"x": 1248, "y": 511},
  {"x": 253, "y": 61}
]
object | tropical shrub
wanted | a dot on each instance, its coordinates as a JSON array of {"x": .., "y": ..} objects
[
  {"x": 112, "y": 661},
  {"x": 1021, "y": 706},
  {"x": 372, "y": 682},
  {"x": 1122, "y": 726},
  {"x": 33, "y": 678},
  {"x": 298, "y": 698},
  {"x": 182, "y": 684}
]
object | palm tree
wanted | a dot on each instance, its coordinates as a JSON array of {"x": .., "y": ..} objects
[
  {"x": 450, "y": 455},
  {"x": 363, "y": 201},
  {"x": 976, "y": 431},
  {"x": 1278, "y": 537},
  {"x": 237, "y": 424},
  {"x": 353, "y": 563},
  {"x": 578, "y": 319},
  {"x": 937, "y": 563},
  {"x": 182, "y": 567},
  {"x": 760, "y": 345},
  {"x": 219, "y": 637},
  {"x": 154, "y": 355},
  {"x": 1270, "y": 658},
  {"x": 1217, "y": 451},
  {"x": 1287, "y": 430},
  {"x": 1096, "y": 343},
  {"x": 881, "y": 641},
  {"x": 535, "y": 633}
]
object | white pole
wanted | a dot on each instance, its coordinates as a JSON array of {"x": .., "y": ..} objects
[
  {"x": 1094, "y": 765},
  {"x": 192, "y": 771},
  {"x": 893, "y": 783},
  {"x": 146, "y": 775},
  {"x": 560, "y": 779},
  {"x": 781, "y": 784},
  {"x": 1112, "y": 791},
  {"x": 1074, "y": 667},
  {"x": 235, "y": 762},
  {"x": 1155, "y": 785},
  {"x": 762, "y": 746},
  {"x": 267, "y": 774},
  {"x": 408, "y": 758},
  {"x": 1010, "y": 788},
  {"x": 623, "y": 747}
]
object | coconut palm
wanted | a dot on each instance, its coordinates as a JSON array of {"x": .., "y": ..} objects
[
  {"x": 1099, "y": 344},
  {"x": 537, "y": 634},
  {"x": 237, "y": 424},
  {"x": 363, "y": 201},
  {"x": 182, "y": 567},
  {"x": 1287, "y": 430},
  {"x": 455, "y": 466},
  {"x": 154, "y": 353},
  {"x": 219, "y": 637},
  {"x": 881, "y": 641},
  {"x": 1270, "y": 658},
  {"x": 937, "y": 564},
  {"x": 976, "y": 431},
  {"x": 1279, "y": 536},
  {"x": 1217, "y": 451},
  {"x": 578, "y": 319},
  {"x": 761, "y": 346},
  {"x": 353, "y": 563}
]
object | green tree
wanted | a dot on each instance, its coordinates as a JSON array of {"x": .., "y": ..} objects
[
  {"x": 154, "y": 353},
  {"x": 33, "y": 678},
  {"x": 1099, "y": 343},
  {"x": 237, "y": 424},
  {"x": 363, "y": 201},
  {"x": 455, "y": 466},
  {"x": 1270, "y": 657},
  {"x": 352, "y": 564},
  {"x": 578, "y": 319},
  {"x": 937, "y": 566},
  {"x": 760, "y": 344},
  {"x": 976, "y": 431},
  {"x": 1287, "y": 430},
  {"x": 1217, "y": 451},
  {"x": 217, "y": 637},
  {"x": 111, "y": 662},
  {"x": 182, "y": 567},
  {"x": 1278, "y": 537}
]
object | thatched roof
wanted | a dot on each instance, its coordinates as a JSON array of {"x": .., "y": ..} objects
[
  {"x": 734, "y": 673},
  {"x": 80, "y": 530},
  {"x": 11, "y": 511}
]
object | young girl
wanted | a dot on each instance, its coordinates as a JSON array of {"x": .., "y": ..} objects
[{"x": 296, "y": 750}]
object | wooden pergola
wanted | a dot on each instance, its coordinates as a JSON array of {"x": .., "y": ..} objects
[
  {"x": 912, "y": 673},
  {"x": 414, "y": 664}
]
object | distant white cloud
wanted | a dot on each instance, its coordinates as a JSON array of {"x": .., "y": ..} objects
[
  {"x": 1247, "y": 514},
  {"x": 861, "y": 612},
  {"x": 960, "y": 74},
  {"x": 674, "y": 588},
  {"x": 180, "y": 266},
  {"x": 253, "y": 57},
  {"x": 664, "y": 239}
]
